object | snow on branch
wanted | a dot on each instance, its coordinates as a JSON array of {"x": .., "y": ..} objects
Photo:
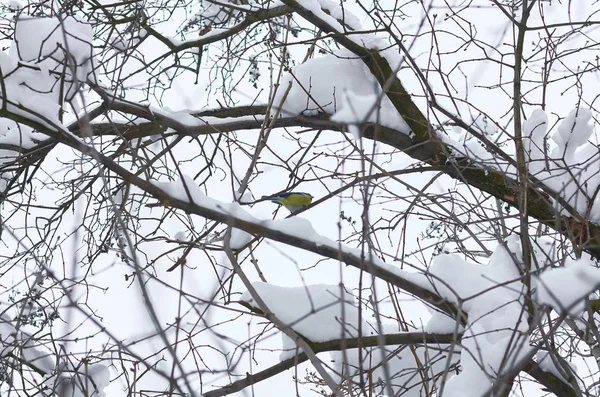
[
  {"x": 322, "y": 313},
  {"x": 572, "y": 167},
  {"x": 341, "y": 85},
  {"x": 566, "y": 288},
  {"x": 296, "y": 231},
  {"x": 36, "y": 363}
]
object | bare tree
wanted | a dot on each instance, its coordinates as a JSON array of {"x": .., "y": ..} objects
[{"x": 454, "y": 215}]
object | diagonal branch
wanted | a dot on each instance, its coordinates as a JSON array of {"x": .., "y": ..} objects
[
  {"x": 429, "y": 148},
  {"x": 220, "y": 214},
  {"x": 491, "y": 181},
  {"x": 404, "y": 338}
]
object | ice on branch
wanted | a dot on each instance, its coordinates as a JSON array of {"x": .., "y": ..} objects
[
  {"x": 565, "y": 288},
  {"x": 337, "y": 84}
]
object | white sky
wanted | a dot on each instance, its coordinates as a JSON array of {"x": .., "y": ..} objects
[{"x": 117, "y": 302}]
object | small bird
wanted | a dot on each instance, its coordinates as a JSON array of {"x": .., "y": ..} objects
[{"x": 293, "y": 201}]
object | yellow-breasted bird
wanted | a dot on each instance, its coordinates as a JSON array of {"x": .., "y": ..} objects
[{"x": 293, "y": 201}]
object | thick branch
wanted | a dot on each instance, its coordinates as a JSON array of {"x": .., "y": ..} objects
[
  {"x": 404, "y": 338},
  {"x": 496, "y": 183},
  {"x": 428, "y": 147}
]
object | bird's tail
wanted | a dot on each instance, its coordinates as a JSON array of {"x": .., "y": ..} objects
[{"x": 268, "y": 198}]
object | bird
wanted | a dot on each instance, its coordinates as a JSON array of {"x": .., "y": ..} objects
[{"x": 293, "y": 201}]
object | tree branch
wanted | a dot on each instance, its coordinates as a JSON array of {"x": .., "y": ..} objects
[{"x": 404, "y": 338}]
